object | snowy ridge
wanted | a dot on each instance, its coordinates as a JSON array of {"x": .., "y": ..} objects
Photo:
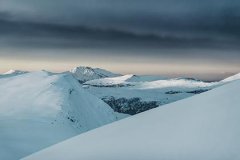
[
  {"x": 133, "y": 94},
  {"x": 144, "y": 78},
  {"x": 232, "y": 78},
  {"x": 84, "y": 74},
  {"x": 125, "y": 80},
  {"x": 178, "y": 83},
  {"x": 121, "y": 80},
  {"x": 39, "y": 109},
  {"x": 147, "y": 82},
  {"x": 11, "y": 73},
  {"x": 14, "y": 72},
  {"x": 205, "y": 126}
]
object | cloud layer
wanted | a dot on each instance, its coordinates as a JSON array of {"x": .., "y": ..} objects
[
  {"x": 190, "y": 29},
  {"x": 211, "y": 19}
]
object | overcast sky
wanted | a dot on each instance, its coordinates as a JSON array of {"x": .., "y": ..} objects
[{"x": 173, "y": 37}]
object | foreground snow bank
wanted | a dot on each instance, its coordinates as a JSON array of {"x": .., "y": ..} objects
[
  {"x": 40, "y": 109},
  {"x": 205, "y": 126}
]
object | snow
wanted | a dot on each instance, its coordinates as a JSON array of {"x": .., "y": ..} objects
[
  {"x": 147, "y": 90},
  {"x": 177, "y": 83},
  {"x": 205, "y": 126},
  {"x": 121, "y": 80},
  {"x": 84, "y": 74},
  {"x": 145, "y": 78},
  {"x": 109, "y": 81},
  {"x": 232, "y": 78},
  {"x": 11, "y": 73},
  {"x": 39, "y": 109},
  {"x": 14, "y": 72}
]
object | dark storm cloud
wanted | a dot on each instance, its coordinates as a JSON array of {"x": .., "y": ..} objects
[
  {"x": 195, "y": 36},
  {"x": 125, "y": 23}
]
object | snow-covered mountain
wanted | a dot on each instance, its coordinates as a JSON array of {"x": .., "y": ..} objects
[
  {"x": 39, "y": 109},
  {"x": 133, "y": 94},
  {"x": 205, "y": 126},
  {"x": 120, "y": 81},
  {"x": 110, "y": 82},
  {"x": 84, "y": 74},
  {"x": 232, "y": 78},
  {"x": 14, "y": 72},
  {"x": 11, "y": 73}
]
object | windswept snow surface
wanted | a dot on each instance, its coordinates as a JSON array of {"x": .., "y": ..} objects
[
  {"x": 203, "y": 127},
  {"x": 84, "y": 74},
  {"x": 40, "y": 109}
]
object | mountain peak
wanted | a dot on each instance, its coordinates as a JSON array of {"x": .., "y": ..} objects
[
  {"x": 12, "y": 71},
  {"x": 85, "y": 73}
]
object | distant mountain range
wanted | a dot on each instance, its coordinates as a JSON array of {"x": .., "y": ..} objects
[
  {"x": 205, "y": 127},
  {"x": 39, "y": 109}
]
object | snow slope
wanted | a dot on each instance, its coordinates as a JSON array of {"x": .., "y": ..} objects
[
  {"x": 84, "y": 74},
  {"x": 40, "y": 109},
  {"x": 205, "y": 126},
  {"x": 232, "y": 78}
]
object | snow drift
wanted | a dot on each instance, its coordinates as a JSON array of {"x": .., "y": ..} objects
[{"x": 205, "y": 126}]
